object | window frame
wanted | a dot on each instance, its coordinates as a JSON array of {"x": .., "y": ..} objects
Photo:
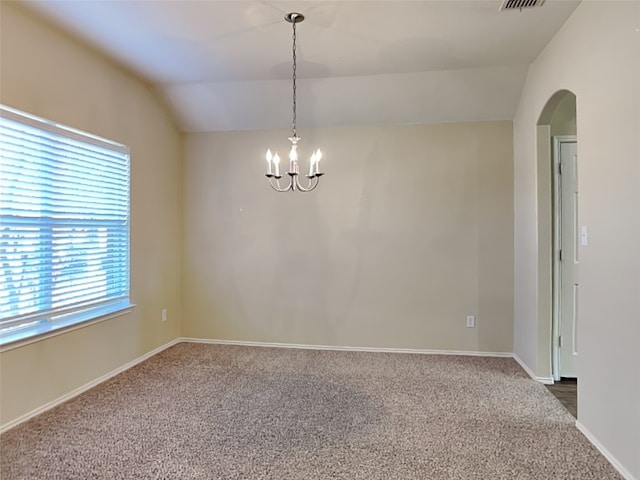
[{"x": 41, "y": 324}]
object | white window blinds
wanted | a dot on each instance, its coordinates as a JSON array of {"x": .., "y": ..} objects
[{"x": 64, "y": 226}]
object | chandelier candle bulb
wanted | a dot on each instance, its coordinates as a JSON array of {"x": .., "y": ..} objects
[
  {"x": 269, "y": 157},
  {"x": 276, "y": 164},
  {"x": 318, "y": 157},
  {"x": 293, "y": 159},
  {"x": 312, "y": 164}
]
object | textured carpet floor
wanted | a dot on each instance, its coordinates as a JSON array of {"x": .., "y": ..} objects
[{"x": 227, "y": 412}]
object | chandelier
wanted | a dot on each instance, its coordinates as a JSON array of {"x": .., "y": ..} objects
[{"x": 273, "y": 161}]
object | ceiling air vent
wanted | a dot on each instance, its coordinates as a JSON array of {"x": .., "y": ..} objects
[{"x": 520, "y": 4}]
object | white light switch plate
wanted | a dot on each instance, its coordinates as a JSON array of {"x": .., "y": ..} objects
[{"x": 584, "y": 236}]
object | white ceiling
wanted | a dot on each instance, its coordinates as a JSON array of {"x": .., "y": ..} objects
[{"x": 226, "y": 65}]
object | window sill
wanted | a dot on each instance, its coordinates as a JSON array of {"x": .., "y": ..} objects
[{"x": 17, "y": 340}]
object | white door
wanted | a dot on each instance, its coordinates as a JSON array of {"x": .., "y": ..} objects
[{"x": 568, "y": 257}]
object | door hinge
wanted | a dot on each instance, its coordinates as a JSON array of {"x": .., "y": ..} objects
[
  {"x": 560, "y": 254},
  {"x": 559, "y": 341},
  {"x": 559, "y": 168}
]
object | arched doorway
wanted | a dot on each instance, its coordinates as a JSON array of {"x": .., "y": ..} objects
[{"x": 558, "y": 233}]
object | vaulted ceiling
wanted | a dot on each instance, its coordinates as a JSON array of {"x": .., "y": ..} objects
[{"x": 226, "y": 65}]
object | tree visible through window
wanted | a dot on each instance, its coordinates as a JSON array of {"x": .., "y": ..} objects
[{"x": 64, "y": 226}]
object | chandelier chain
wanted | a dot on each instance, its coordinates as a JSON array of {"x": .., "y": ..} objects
[{"x": 294, "y": 79}]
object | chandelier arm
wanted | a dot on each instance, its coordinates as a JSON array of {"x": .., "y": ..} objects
[
  {"x": 277, "y": 186},
  {"x": 313, "y": 183}
]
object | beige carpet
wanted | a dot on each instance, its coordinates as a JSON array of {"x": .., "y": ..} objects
[{"x": 224, "y": 412}]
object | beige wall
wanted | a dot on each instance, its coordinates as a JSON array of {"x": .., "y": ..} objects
[
  {"x": 410, "y": 231},
  {"x": 596, "y": 55},
  {"x": 45, "y": 73}
]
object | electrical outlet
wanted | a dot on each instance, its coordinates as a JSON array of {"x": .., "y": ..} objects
[
  {"x": 471, "y": 321},
  {"x": 164, "y": 314}
]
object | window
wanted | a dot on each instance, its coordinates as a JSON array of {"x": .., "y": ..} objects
[{"x": 64, "y": 226}]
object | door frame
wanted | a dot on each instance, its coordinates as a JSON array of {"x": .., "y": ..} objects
[{"x": 556, "y": 242}]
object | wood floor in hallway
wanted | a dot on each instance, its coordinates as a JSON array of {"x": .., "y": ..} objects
[{"x": 566, "y": 391}]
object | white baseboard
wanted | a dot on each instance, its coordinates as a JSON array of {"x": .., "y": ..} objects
[
  {"x": 74, "y": 393},
  {"x": 525, "y": 367},
  {"x": 626, "y": 474},
  {"x": 345, "y": 348}
]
